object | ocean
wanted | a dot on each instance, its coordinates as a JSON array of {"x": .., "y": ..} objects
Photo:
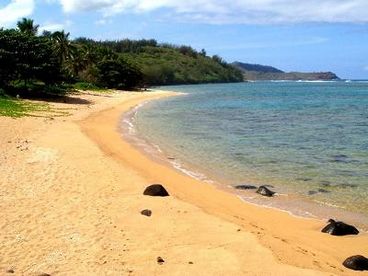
[{"x": 307, "y": 140}]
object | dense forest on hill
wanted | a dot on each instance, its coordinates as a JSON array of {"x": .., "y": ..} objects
[
  {"x": 49, "y": 61},
  {"x": 169, "y": 64}
]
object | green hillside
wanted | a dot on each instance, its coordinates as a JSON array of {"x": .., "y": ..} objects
[
  {"x": 52, "y": 63},
  {"x": 163, "y": 64}
]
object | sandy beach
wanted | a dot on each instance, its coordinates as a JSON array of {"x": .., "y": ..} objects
[{"x": 72, "y": 192}]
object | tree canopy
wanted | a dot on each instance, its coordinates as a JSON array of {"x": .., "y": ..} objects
[{"x": 53, "y": 58}]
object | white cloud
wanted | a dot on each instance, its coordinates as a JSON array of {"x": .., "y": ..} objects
[
  {"x": 15, "y": 10},
  {"x": 52, "y": 26},
  {"x": 103, "y": 21},
  {"x": 234, "y": 11}
]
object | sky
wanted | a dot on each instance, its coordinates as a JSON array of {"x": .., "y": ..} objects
[{"x": 292, "y": 35}]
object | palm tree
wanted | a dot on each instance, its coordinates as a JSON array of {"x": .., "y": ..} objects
[
  {"x": 63, "y": 47},
  {"x": 27, "y": 26}
]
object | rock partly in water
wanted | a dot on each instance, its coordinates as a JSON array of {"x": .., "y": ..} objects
[
  {"x": 357, "y": 262},
  {"x": 263, "y": 190},
  {"x": 155, "y": 190},
  {"x": 160, "y": 260},
  {"x": 346, "y": 185},
  {"x": 323, "y": 191},
  {"x": 304, "y": 179},
  {"x": 268, "y": 186},
  {"x": 339, "y": 228},
  {"x": 340, "y": 158},
  {"x": 245, "y": 187},
  {"x": 325, "y": 183},
  {"x": 146, "y": 212},
  {"x": 318, "y": 191}
]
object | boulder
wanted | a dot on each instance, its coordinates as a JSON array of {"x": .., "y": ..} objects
[
  {"x": 146, "y": 212},
  {"x": 245, "y": 187},
  {"x": 263, "y": 190},
  {"x": 155, "y": 190},
  {"x": 339, "y": 228},
  {"x": 357, "y": 262}
]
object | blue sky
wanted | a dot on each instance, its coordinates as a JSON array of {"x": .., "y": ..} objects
[{"x": 293, "y": 35}]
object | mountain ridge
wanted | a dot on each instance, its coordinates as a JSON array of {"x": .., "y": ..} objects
[{"x": 266, "y": 72}]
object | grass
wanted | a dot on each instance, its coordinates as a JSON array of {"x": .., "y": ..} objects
[
  {"x": 16, "y": 108},
  {"x": 11, "y": 107}
]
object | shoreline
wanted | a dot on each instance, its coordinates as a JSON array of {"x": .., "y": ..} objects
[
  {"x": 294, "y": 204},
  {"x": 71, "y": 193},
  {"x": 305, "y": 232}
]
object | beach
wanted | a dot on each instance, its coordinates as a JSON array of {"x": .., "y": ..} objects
[{"x": 72, "y": 193}]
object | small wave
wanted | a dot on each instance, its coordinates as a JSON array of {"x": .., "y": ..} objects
[
  {"x": 329, "y": 204},
  {"x": 128, "y": 123},
  {"x": 157, "y": 148},
  {"x": 130, "y": 126},
  {"x": 199, "y": 176}
]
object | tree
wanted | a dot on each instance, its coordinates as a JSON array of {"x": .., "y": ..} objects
[
  {"x": 118, "y": 74},
  {"x": 25, "y": 58},
  {"x": 62, "y": 46},
  {"x": 27, "y": 26}
]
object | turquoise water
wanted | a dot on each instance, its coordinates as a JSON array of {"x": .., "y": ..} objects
[{"x": 307, "y": 139}]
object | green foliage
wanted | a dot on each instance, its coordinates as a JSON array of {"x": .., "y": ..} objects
[
  {"x": 36, "y": 89},
  {"x": 168, "y": 64},
  {"x": 118, "y": 74},
  {"x": 24, "y": 58},
  {"x": 86, "y": 86},
  {"x": 27, "y": 26},
  {"x": 165, "y": 65},
  {"x": 39, "y": 64}
]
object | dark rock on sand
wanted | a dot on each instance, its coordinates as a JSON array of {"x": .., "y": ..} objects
[
  {"x": 245, "y": 187},
  {"x": 339, "y": 228},
  {"x": 160, "y": 260},
  {"x": 10, "y": 271},
  {"x": 357, "y": 262},
  {"x": 146, "y": 212},
  {"x": 323, "y": 191},
  {"x": 155, "y": 190},
  {"x": 263, "y": 190},
  {"x": 312, "y": 192}
]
